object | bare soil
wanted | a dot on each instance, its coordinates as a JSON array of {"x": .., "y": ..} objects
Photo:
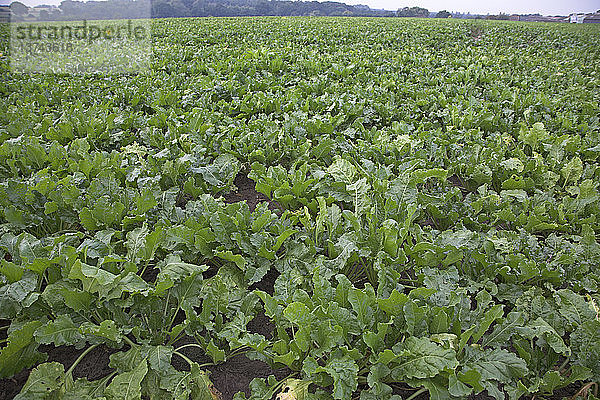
[
  {"x": 93, "y": 366},
  {"x": 246, "y": 191},
  {"x": 230, "y": 377}
]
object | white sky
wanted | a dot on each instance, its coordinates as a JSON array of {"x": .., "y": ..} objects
[{"x": 544, "y": 7}]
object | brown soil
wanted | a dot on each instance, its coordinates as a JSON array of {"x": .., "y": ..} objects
[
  {"x": 267, "y": 283},
  {"x": 454, "y": 180},
  {"x": 246, "y": 191},
  {"x": 230, "y": 377},
  {"x": 236, "y": 374},
  {"x": 93, "y": 366}
]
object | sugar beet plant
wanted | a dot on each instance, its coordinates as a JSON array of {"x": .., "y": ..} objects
[{"x": 433, "y": 212}]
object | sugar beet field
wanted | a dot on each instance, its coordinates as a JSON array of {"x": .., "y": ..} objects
[{"x": 307, "y": 208}]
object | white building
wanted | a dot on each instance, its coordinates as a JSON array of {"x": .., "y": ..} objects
[{"x": 576, "y": 18}]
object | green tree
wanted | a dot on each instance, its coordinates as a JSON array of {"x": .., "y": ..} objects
[
  {"x": 19, "y": 8},
  {"x": 443, "y": 14},
  {"x": 418, "y": 12},
  {"x": 44, "y": 16}
]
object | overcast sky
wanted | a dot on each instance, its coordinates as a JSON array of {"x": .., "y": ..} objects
[{"x": 544, "y": 7}]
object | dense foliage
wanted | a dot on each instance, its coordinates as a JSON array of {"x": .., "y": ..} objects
[
  {"x": 121, "y": 9},
  {"x": 434, "y": 225}
]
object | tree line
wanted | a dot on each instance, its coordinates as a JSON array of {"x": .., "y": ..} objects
[{"x": 118, "y": 9}]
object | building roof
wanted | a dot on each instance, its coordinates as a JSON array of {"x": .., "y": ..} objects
[{"x": 539, "y": 18}]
